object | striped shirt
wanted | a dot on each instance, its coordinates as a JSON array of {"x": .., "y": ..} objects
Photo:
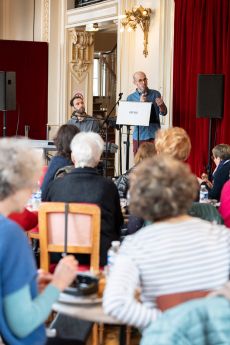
[{"x": 166, "y": 258}]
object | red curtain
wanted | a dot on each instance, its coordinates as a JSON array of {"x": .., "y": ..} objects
[
  {"x": 30, "y": 62},
  {"x": 201, "y": 45}
]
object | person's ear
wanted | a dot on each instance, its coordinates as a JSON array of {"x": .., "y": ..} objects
[{"x": 73, "y": 159}]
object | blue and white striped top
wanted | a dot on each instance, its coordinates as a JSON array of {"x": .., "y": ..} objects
[{"x": 166, "y": 258}]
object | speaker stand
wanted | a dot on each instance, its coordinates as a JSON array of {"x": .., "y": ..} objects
[
  {"x": 4, "y": 123},
  {"x": 127, "y": 147},
  {"x": 209, "y": 171}
]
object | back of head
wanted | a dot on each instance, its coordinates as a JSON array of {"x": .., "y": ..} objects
[
  {"x": 87, "y": 148},
  {"x": 221, "y": 151},
  {"x": 162, "y": 187},
  {"x": 20, "y": 166},
  {"x": 174, "y": 142},
  {"x": 63, "y": 139},
  {"x": 145, "y": 150}
]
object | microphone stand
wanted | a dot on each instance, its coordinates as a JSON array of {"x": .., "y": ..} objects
[
  {"x": 120, "y": 150},
  {"x": 106, "y": 132}
]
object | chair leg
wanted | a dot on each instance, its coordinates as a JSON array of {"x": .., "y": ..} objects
[
  {"x": 128, "y": 335},
  {"x": 101, "y": 333},
  {"x": 95, "y": 334}
]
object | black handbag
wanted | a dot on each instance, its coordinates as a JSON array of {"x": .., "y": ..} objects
[{"x": 70, "y": 331}]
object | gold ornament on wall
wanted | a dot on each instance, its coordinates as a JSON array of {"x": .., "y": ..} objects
[
  {"x": 82, "y": 41},
  {"x": 138, "y": 16}
]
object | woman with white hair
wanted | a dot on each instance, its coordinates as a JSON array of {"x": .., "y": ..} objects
[
  {"x": 84, "y": 185},
  {"x": 22, "y": 309}
]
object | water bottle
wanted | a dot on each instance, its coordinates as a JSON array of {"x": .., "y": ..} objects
[
  {"x": 36, "y": 199},
  {"x": 112, "y": 254},
  {"x": 203, "y": 193}
]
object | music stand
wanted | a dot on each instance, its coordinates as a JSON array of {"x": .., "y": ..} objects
[{"x": 133, "y": 114}]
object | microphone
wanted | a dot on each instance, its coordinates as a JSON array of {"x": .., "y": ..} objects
[
  {"x": 120, "y": 95},
  {"x": 86, "y": 116},
  {"x": 144, "y": 94}
]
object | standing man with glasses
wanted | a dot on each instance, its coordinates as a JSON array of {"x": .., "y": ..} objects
[{"x": 144, "y": 94}]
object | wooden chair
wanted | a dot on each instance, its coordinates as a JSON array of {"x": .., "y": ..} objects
[
  {"x": 33, "y": 234},
  {"x": 82, "y": 222},
  {"x": 83, "y": 237},
  {"x": 83, "y": 231}
]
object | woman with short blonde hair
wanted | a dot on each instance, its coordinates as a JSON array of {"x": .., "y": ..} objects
[{"x": 173, "y": 141}]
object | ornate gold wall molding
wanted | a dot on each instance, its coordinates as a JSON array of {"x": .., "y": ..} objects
[
  {"x": 45, "y": 20},
  {"x": 81, "y": 53}
]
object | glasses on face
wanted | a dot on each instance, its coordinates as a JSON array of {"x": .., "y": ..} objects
[{"x": 144, "y": 80}]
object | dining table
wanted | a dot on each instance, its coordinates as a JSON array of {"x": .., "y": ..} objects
[{"x": 88, "y": 308}]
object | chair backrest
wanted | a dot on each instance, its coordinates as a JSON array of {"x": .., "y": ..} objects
[
  {"x": 83, "y": 231},
  {"x": 206, "y": 212}
]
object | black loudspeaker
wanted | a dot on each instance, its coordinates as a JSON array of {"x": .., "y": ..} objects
[
  {"x": 210, "y": 96},
  {"x": 7, "y": 91}
]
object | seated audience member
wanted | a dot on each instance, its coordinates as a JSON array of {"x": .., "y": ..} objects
[
  {"x": 221, "y": 157},
  {"x": 224, "y": 208},
  {"x": 203, "y": 321},
  {"x": 79, "y": 118},
  {"x": 85, "y": 185},
  {"x": 62, "y": 158},
  {"x": 173, "y": 141},
  {"x": 176, "y": 143},
  {"x": 177, "y": 253},
  {"x": 23, "y": 309},
  {"x": 145, "y": 150}
]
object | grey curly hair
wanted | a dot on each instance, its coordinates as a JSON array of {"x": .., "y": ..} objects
[
  {"x": 161, "y": 187},
  {"x": 20, "y": 165}
]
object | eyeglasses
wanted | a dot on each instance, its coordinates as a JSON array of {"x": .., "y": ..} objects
[{"x": 142, "y": 80}]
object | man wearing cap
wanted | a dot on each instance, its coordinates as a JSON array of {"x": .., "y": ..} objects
[{"x": 79, "y": 117}]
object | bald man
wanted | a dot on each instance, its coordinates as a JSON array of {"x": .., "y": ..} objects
[{"x": 144, "y": 94}]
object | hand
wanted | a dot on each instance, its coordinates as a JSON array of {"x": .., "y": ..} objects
[
  {"x": 65, "y": 272},
  {"x": 43, "y": 279},
  {"x": 224, "y": 291},
  {"x": 143, "y": 97},
  {"x": 159, "y": 101},
  {"x": 204, "y": 178}
]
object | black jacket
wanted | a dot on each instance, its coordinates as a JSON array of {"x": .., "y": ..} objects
[
  {"x": 219, "y": 178},
  {"x": 85, "y": 185},
  {"x": 122, "y": 183}
]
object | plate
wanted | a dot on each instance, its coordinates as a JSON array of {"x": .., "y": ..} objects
[{"x": 80, "y": 300}]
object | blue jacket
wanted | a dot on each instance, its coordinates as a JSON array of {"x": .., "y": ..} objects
[
  {"x": 204, "y": 321},
  {"x": 146, "y": 133}
]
